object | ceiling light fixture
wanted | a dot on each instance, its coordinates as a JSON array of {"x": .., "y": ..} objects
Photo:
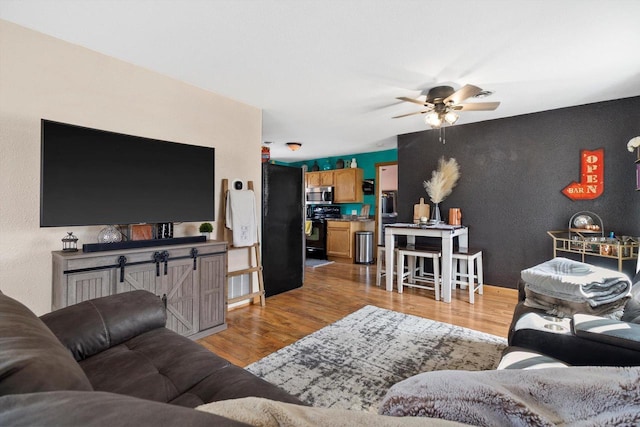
[
  {"x": 451, "y": 117},
  {"x": 433, "y": 119},
  {"x": 294, "y": 146},
  {"x": 443, "y": 114}
]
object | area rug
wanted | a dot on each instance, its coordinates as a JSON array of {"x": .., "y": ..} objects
[
  {"x": 352, "y": 363},
  {"x": 315, "y": 263}
]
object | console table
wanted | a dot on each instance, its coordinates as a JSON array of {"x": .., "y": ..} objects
[
  {"x": 445, "y": 232},
  {"x": 189, "y": 278},
  {"x": 580, "y": 242}
]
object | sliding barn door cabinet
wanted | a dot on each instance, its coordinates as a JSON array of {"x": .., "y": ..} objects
[{"x": 190, "y": 279}]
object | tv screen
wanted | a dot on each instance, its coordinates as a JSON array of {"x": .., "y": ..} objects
[{"x": 95, "y": 177}]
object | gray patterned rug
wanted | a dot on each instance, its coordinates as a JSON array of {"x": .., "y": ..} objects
[{"x": 351, "y": 363}]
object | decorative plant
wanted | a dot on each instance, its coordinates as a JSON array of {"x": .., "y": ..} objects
[
  {"x": 206, "y": 227},
  {"x": 633, "y": 144},
  {"x": 442, "y": 180}
]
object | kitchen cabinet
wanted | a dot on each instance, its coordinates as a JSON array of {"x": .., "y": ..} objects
[
  {"x": 319, "y": 179},
  {"x": 341, "y": 238},
  {"x": 189, "y": 278},
  {"x": 348, "y": 185}
]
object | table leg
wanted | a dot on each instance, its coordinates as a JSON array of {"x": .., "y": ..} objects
[
  {"x": 447, "y": 260},
  {"x": 389, "y": 250}
]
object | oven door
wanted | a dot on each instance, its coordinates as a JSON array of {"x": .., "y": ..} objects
[{"x": 317, "y": 239}]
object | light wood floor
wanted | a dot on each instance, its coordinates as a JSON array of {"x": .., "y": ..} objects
[{"x": 334, "y": 291}]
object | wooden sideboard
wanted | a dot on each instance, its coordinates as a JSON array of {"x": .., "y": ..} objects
[{"x": 190, "y": 278}]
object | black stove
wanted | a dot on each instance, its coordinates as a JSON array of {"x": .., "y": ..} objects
[{"x": 316, "y": 240}]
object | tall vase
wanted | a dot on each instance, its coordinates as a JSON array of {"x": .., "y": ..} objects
[{"x": 435, "y": 215}]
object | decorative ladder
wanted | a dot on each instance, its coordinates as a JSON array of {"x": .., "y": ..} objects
[{"x": 253, "y": 254}]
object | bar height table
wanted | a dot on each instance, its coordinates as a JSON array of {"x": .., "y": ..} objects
[{"x": 445, "y": 232}]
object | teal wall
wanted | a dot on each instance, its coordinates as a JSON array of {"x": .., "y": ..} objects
[{"x": 366, "y": 162}]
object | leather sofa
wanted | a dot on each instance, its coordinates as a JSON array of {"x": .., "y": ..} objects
[
  {"x": 110, "y": 361},
  {"x": 580, "y": 340}
]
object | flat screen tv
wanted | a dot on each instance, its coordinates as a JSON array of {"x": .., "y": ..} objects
[{"x": 95, "y": 177}]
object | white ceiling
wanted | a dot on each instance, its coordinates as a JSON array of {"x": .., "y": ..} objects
[{"x": 327, "y": 72}]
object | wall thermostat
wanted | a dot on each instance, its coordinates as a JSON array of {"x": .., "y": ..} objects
[{"x": 237, "y": 184}]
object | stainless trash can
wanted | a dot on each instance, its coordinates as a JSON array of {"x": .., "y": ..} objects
[{"x": 364, "y": 247}]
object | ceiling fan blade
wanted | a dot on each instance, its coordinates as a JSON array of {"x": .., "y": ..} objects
[
  {"x": 410, "y": 114},
  {"x": 478, "y": 106},
  {"x": 467, "y": 91},
  {"x": 415, "y": 101}
]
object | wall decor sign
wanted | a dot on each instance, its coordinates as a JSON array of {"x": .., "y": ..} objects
[{"x": 591, "y": 185}]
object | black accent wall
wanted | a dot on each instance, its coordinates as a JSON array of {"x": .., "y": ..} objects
[{"x": 512, "y": 173}]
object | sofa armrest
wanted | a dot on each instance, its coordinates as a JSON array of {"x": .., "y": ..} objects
[
  {"x": 556, "y": 339},
  {"x": 609, "y": 331},
  {"x": 95, "y": 325}
]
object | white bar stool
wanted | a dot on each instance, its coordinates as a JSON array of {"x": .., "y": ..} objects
[
  {"x": 473, "y": 258},
  {"x": 381, "y": 267},
  {"x": 423, "y": 253}
]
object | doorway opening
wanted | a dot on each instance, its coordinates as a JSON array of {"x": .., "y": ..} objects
[{"x": 386, "y": 197}]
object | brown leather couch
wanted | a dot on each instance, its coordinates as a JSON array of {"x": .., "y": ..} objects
[
  {"x": 577, "y": 343},
  {"x": 110, "y": 361}
]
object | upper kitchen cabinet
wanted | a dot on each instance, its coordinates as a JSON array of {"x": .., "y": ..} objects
[
  {"x": 348, "y": 185},
  {"x": 319, "y": 179}
]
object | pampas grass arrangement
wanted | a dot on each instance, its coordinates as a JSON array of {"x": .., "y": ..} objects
[{"x": 442, "y": 180}]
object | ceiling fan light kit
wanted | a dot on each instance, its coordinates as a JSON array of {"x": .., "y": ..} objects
[
  {"x": 451, "y": 117},
  {"x": 442, "y": 102},
  {"x": 433, "y": 120}
]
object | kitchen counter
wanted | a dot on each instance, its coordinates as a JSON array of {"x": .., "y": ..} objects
[{"x": 351, "y": 219}]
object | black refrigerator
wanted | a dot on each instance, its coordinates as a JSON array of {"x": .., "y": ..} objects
[{"x": 282, "y": 228}]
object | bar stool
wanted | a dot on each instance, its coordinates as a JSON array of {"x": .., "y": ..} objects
[
  {"x": 423, "y": 253},
  {"x": 381, "y": 265},
  {"x": 473, "y": 257}
]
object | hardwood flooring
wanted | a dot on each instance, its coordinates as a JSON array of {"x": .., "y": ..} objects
[{"x": 336, "y": 290}]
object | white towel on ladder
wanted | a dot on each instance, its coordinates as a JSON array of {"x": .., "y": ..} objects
[{"x": 241, "y": 217}]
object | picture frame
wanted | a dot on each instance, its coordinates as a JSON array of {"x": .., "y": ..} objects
[{"x": 141, "y": 232}]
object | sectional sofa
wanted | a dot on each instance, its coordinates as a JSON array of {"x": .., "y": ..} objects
[{"x": 110, "y": 361}]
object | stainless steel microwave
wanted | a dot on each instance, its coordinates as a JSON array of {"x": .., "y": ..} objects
[{"x": 319, "y": 195}]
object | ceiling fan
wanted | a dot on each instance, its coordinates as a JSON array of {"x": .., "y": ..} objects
[{"x": 442, "y": 102}]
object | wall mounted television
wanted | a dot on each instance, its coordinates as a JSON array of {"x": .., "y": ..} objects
[{"x": 95, "y": 177}]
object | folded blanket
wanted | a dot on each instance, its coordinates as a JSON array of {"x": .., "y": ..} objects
[
  {"x": 564, "y": 308},
  {"x": 572, "y": 396},
  {"x": 576, "y": 281}
]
